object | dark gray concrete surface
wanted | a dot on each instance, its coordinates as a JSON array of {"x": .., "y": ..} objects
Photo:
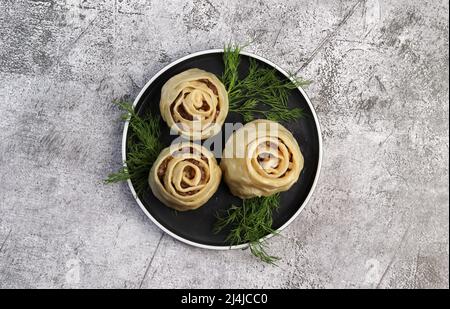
[{"x": 378, "y": 219}]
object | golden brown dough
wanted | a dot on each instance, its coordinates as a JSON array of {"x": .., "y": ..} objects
[
  {"x": 184, "y": 176},
  {"x": 195, "y": 103},
  {"x": 260, "y": 159}
]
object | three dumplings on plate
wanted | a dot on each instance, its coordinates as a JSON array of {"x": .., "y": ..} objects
[{"x": 259, "y": 159}]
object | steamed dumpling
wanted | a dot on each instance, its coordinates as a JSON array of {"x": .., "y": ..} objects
[
  {"x": 260, "y": 159},
  {"x": 194, "y": 103},
  {"x": 185, "y": 176}
]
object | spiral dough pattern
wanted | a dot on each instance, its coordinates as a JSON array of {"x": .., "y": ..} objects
[
  {"x": 260, "y": 159},
  {"x": 185, "y": 176},
  {"x": 195, "y": 103}
]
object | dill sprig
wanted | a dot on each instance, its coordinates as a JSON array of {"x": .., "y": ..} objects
[
  {"x": 249, "y": 223},
  {"x": 144, "y": 147},
  {"x": 231, "y": 60},
  {"x": 261, "y": 93}
]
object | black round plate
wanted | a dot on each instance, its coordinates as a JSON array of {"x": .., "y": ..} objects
[{"x": 196, "y": 227}]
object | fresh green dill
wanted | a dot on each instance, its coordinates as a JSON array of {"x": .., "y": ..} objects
[
  {"x": 143, "y": 145},
  {"x": 249, "y": 223},
  {"x": 261, "y": 93},
  {"x": 231, "y": 60}
]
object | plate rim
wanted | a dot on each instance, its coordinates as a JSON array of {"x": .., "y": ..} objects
[{"x": 224, "y": 247}]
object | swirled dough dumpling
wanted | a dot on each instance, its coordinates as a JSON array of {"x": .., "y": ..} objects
[
  {"x": 260, "y": 159},
  {"x": 185, "y": 176},
  {"x": 194, "y": 103}
]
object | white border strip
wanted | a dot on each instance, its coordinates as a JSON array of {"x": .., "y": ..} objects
[{"x": 192, "y": 243}]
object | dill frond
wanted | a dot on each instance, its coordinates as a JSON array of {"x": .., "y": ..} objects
[
  {"x": 144, "y": 147},
  {"x": 261, "y": 93},
  {"x": 249, "y": 223}
]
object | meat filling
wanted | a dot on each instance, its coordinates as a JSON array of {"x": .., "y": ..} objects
[
  {"x": 205, "y": 107},
  {"x": 183, "y": 113},
  {"x": 210, "y": 85},
  {"x": 188, "y": 193},
  {"x": 203, "y": 173},
  {"x": 163, "y": 167}
]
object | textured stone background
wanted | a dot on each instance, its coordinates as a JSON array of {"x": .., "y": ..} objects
[{"x": 379, "y": 216}]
